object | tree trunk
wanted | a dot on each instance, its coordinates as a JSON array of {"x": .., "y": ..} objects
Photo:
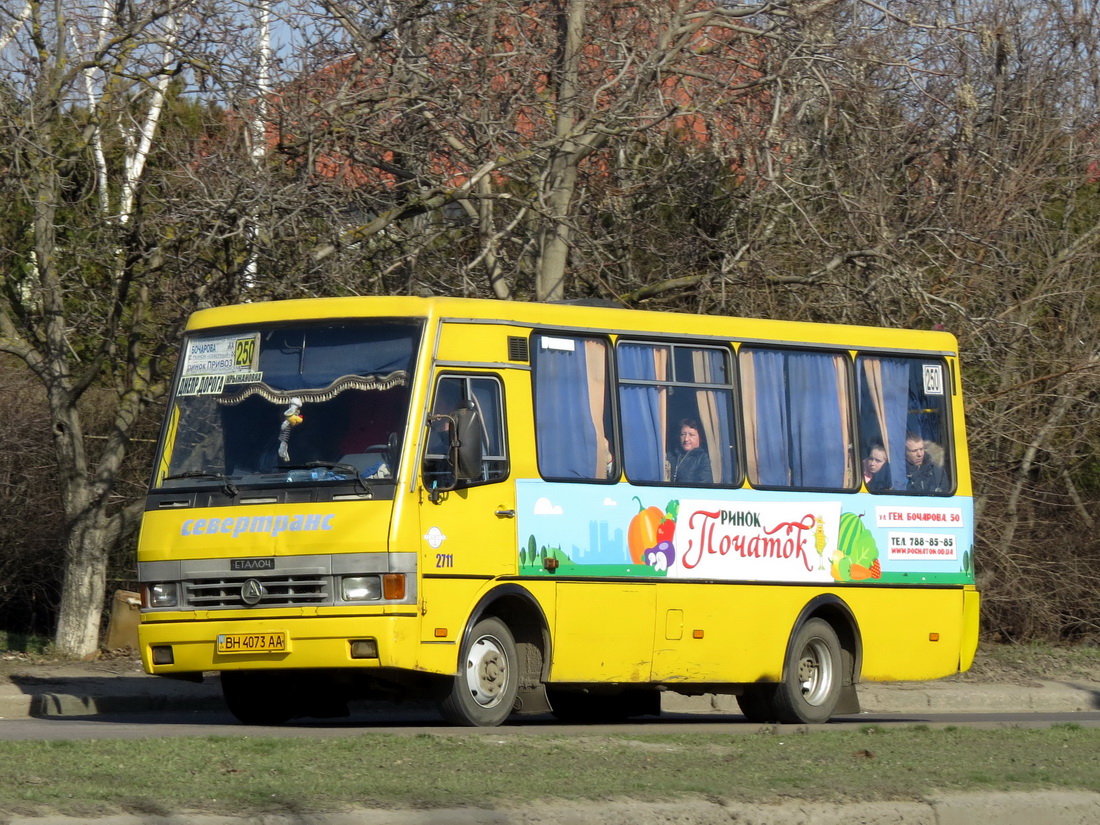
[
  {"x": 84, "y": 587},
  {"x": 562, "y": 174},
  {"x": 554, "y": 256}
]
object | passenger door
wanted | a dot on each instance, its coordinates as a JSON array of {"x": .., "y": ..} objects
[{"x": 468, "y": 533}]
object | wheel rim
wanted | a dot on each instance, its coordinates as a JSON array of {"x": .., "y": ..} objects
[
  {"x": 486, "y": 671},
  {"x": 815, "y": 672}
]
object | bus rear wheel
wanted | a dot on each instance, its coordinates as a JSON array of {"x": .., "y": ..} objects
[
  {"x": 483, "y": 693},
  {"x": 812, "y": 677}
]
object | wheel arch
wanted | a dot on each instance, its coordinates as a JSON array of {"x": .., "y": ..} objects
[
  {"x": 521, "y": 612},
  {"x": 831, "y": 608}
]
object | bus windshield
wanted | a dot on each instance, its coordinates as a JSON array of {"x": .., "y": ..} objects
[{"x": 295, "y": 403}]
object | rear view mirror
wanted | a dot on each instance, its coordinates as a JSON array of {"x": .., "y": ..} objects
[
  {"x": 464, "y": 448},
  {"x": 466, "y": 441}
]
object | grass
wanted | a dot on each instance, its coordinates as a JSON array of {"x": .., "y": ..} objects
[
  {"x": 257, "y": 775},
  {"x": 25, "y": 643}
]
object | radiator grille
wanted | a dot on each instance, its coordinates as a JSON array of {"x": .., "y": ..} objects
[{"x": 282, "y": 591}]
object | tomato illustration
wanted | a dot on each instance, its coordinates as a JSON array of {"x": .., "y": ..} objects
[{"x": 666, "y": 530}]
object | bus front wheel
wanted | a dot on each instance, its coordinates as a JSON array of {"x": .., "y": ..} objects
[
  {"x": 483, "y": 693},
  {"x": 812, "y": 677}
]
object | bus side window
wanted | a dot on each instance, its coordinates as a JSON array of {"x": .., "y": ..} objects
[
  {"x": 903, "y": 406},
  {"x": 663, "y": 389},
  {"x": 798, "y": 421},
  {"x": 572, "y": 404}
]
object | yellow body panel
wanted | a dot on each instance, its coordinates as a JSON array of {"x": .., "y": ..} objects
[
  {"x": 224, "y": 532},
  {"x": 615, "y": 647}
]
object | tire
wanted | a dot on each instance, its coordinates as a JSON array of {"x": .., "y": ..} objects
[
  {"x": 812, "y": 677},
  {"x": 258, "y": 697},
  {"x": 483, "y": 692}
]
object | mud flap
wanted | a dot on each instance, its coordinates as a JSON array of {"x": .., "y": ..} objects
[
  {"x": 848, "y": 701},
  {"x": 532, "y": 699}
]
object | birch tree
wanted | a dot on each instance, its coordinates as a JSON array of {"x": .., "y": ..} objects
[{"x": 89, "y": 303}]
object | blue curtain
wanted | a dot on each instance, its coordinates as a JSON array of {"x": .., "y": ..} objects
[
  {"x": 565, "y": 434},
  {"x": 639, "y": 407},
  {"x": 801, "y": 437},
  {"x": 886, "y": 403},
  {"x": 895, "y": 402},
  {"x": 772, "y": 448},
  {"x": 818, "y": 445}
]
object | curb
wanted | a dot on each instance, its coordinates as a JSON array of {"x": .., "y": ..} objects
[
  {"x": 43, "y": 705},
  {"x": 92, "y": 696},
  {"x": 1050, "y": 808},
  {"x": 935, "y": 697}
]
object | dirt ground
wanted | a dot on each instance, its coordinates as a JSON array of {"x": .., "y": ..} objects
[
  {"x": 1025, "y": 664},
  {"x": 107, "y": 663}
]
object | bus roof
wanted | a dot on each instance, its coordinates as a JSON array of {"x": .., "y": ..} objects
[{"x": 574, "y": 316}]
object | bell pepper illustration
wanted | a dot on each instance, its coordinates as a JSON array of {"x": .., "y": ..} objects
[{"x": 643, "y": 530}]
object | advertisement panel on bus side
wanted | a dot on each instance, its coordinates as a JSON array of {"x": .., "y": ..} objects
[{"x": 738, "y": 535}]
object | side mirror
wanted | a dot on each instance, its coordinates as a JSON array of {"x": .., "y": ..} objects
[{"x": 466, "y": 441}]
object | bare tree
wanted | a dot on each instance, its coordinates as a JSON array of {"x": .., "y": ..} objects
[
  {"x": 935, "y": 165},
  {"x": 90, "y": 248},
  {"x": 908, "y": 164},
  {"x": 476, "y": 135}
]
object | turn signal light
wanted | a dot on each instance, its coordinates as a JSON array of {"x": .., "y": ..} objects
[{"x": 393, "y": 587}]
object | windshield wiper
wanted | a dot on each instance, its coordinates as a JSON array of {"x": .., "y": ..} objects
[
  {"x": 334, "y": 466},
  {"x": 227, "y": 486}
]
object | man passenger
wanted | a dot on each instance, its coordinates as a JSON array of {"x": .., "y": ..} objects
[{"x": 924, "y": 475}]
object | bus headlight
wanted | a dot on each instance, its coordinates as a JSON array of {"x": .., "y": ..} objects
[
  {"x": 164, "y": 594},
  {"x": 360, "y": 588}
]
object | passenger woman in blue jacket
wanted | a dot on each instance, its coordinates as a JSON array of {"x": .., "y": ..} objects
[{"x": 689, "y": 462}]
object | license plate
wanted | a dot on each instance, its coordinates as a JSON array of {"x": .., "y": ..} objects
[{"x": 252, "y": 642}]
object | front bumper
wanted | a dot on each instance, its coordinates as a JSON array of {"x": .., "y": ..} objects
[{"x": 311, "y": 642}]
